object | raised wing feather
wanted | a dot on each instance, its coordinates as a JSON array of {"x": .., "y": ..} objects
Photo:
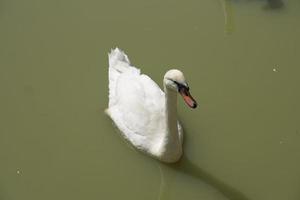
[{"x": 136, "y": 103}]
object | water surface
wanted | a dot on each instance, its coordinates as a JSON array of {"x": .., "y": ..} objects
[{"x": 241, "y": 59}]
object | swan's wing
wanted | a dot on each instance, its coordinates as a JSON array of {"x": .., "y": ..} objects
[
  {"x": 138, "y": 99},
  {"x": 136, "y": 102},
  {"x": 118, "y": 64}
]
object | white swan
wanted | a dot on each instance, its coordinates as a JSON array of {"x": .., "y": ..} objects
[{"x": 145, "y": 115}]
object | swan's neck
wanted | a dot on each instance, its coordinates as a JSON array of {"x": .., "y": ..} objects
[
  {"x": 172, "y": 143},
  {"x": 171, "y": 113}
]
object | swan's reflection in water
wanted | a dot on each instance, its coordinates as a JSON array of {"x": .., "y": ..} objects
[{"x": 204, "y": 178}]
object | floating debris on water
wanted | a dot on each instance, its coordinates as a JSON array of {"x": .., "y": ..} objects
[
  {"x": 274, "y": 70},
  {"x": 18, "y": 172}
]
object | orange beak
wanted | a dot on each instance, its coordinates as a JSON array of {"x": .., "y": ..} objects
[{"x": 187, "y": 97}]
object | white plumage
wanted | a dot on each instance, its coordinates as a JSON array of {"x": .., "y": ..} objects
[{"x": 145, "y": 115}]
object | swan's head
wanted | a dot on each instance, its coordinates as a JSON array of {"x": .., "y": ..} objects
[{"x": 174, "y": 80}]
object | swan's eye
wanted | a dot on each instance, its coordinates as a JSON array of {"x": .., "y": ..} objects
[{"x": 179, "y": 85}]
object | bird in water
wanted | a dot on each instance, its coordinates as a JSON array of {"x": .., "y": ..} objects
[{"x": 145, "y": 115}]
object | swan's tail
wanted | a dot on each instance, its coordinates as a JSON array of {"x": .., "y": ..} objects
[{"x": 118, "y": 64}]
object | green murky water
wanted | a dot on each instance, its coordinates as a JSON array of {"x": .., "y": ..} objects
[{"x": 241, "y": 59}]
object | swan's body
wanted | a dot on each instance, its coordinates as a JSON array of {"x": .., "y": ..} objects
[{"x": 145, "y": 115}]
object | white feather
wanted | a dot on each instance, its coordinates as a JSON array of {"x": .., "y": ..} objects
[{"x": 137, "y": 107}]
